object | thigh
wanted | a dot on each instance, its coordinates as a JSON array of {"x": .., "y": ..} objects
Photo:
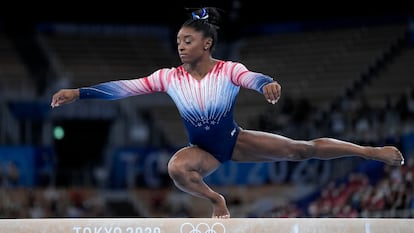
[
  {"x": 257, "y": 146},
  {"x": 195, "y": 159}
]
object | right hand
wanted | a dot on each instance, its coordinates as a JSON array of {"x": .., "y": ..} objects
[
  {"x": 64, "y": 96},
  {"x": 272, "y": 92}
]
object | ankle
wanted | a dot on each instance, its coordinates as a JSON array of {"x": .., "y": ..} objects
[
  {"x": 218, "y": 199},
  {"x": 370, "y": 152}
]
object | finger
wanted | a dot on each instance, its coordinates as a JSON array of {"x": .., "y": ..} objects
[
  {"x": 279, "y": 92},
  {"x": 61, "y": 100},
  {"x": 54, "y": 103},
  {"x": 275, "y": 93},
  {"x": 267, "y": 95},
  {"x": 57, "y": 100}
]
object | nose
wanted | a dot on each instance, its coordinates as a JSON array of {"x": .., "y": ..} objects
[{"x": 180, "y": 47}]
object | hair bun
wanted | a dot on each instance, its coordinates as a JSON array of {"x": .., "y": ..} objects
[{"x": 203, "y": 14}]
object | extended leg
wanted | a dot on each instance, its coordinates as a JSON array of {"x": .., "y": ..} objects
[
  {"x": 187, "y": 169},
  {"x": 261, "y": 146}
]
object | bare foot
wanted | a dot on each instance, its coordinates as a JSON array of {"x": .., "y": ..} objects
[
  {"x": 220, "y": 209},
  {"x": 389, "y": 155}
]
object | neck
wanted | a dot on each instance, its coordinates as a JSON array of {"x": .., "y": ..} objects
[{"x": 200, "y": 68}]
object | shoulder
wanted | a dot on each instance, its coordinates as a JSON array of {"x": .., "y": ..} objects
[
  {"x": 229, "y": 63},
  {"x": 168, "y": 71},
  {"x": 232, "y": 66}
]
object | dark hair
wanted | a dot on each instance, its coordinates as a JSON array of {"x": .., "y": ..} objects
[{"x": 205, "y": 20}]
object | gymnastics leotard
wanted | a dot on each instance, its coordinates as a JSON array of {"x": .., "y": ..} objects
[{"x": 206, "y": 106}]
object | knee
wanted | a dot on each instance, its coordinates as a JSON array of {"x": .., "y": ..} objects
[
  {"x": 176, "y": 169},
  {"x": 302, "y": 150}
]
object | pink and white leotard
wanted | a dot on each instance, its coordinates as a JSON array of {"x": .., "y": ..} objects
[{"x": 206, "y": 106}]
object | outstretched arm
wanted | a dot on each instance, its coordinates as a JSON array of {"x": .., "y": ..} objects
[
  {"x": 113, "y": 90},
  {"x": 107, "y": 91},
  {"x": 262, "y": 84},
  {"x": 256, "y": 81}
]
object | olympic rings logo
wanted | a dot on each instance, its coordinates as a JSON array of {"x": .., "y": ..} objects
[{"x": 202, "y": 228}]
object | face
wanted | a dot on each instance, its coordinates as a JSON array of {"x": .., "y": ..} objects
[{"x": 191, "y": 45}]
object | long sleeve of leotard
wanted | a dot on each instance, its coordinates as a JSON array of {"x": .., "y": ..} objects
[
  {"x": 243, "y": 77},
  {"x": 156, "y": 82}
]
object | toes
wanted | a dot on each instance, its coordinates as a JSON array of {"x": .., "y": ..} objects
[{"x": 398, "y": 162}]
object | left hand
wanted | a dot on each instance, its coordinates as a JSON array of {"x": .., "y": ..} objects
[{"x": 272, "y": 92}]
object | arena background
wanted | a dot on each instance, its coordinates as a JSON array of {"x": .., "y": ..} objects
[{"x": 346, "y": 71}]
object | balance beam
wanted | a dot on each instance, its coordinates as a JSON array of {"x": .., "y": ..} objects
[{"x": 207, "y": 225}]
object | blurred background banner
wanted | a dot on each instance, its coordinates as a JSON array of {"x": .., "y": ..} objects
[
  {"x": 18, "y": 166},
  {"x": 134, "y": 167},
  {"x": 27, "y": 166}
]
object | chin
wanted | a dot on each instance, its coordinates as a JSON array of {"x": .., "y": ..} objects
[{"x": 185, "y": 60}]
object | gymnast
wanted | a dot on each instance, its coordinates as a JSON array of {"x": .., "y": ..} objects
[{"x": 204, "y": 90}]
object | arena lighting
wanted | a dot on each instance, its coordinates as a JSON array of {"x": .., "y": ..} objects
[{"x": 58, "y": 132}]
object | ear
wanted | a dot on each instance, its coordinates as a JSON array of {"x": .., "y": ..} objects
[{"x": 207, "y": 43}]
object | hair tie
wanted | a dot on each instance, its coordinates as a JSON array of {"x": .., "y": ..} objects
[{"x": 203, "y": 15}]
